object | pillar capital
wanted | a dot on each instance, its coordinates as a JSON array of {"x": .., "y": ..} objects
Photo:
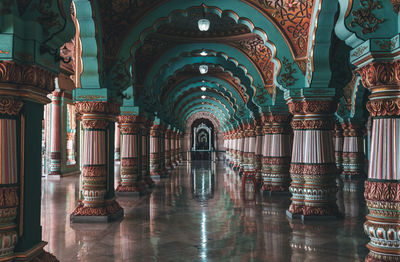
[{"x": 10, "y": 105}]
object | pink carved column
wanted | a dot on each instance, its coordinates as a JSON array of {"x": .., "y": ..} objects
[
  {"x": 258, "y": 152},
  {"x": 131, "y": 177},
  {"x": 163, "y": 170},
  {"x": 276, "y": 152},
  {"x": 168, "y": 163},
  {"x": 55, "y": 145},
  {"x": 382, "y": 189},
  {"x": 155, "y": 157},
  {"x": 98, "y": 202},
  {"x": 313, "y": 168},
  {"x": 237, "y": 139},
  {"x": 176, "y": 142},
  {"x": 232, "y": 148},
  {"x": 9, "y": 189},
  {"x": 353, "y": 155},
  {"x": 241, "y": 145},
  {"x": 146, "y": 153},
  {"x": 249, "y": 148},
  {"x": 338, "y": 140},
  {"x": 117, "y": 155},
  {"x": 172, "y": 148}
]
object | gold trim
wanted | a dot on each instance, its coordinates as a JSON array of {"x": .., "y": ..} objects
[
  {"x": 22, "y": 177},
  {"x": 348, "y": 8}
]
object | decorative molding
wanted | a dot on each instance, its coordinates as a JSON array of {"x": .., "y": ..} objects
[
  {"x": 384, "y": 107},
  {"x": 10, "y": 105},
  {"x": 364, "y": 17},
  {"x": 97, "y": 108},
  {"x": 326, "y": 124},
  {"x": 312, "y": 107},
  {"x": 33, "y": 76}
]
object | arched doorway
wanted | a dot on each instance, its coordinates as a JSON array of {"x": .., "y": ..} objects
[{"x": 202, "y": 137}]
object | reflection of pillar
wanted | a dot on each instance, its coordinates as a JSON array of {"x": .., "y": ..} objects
[
  {"x": 338, "y": 140},
  {"x": 98, "y": 203},
  {"x": 146, "y": 153},
  {"x": 131, "y": 177},
  {"x": 55, "y": 155},
  {"x": 258, "y": 152},
  {"x": 353, "y": 154},
  {"x": 276, "y": 152},
  {"x": 117, "y": 156},
  {"x": 383, "y": 187},
  {"x": 313, "y": 167}
]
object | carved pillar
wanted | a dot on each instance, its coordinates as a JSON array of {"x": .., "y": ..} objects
[
  {"x": 172, "y": 148},
  {"x": 338, "y": 140},
  {"x": 168, "y": 163},
  {"x": 55, "y": 143},
  {"x": 146, "y": 153},
  {"x": 276, "y": 152},
  {"x": 232, "y": 148},
  {"x": 155, "y": 165},
  {"x": 258, "y": 152},
  {"x": 97, "y": 186},
  {"x": 131, "y": 177},
  {"x": 117, "y": 155},
  {"x": 382, "y": 190},
  {"x": 313, "y": 168},
  {"x": 163, "y": 170},
  {"x": 353, "y": 155},
  {"x": 9, "y": 188},
  {"x": 237, "y": 141},
  {"x": 249, "y": 148}
]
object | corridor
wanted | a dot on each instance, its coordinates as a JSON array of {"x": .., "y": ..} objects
[{"x": 200, "y": 214}]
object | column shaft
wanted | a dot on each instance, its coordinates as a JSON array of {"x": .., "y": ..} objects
[{"x": 55, "y": 155}]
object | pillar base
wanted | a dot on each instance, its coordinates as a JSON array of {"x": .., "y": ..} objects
[
  {"x": 139, "y": 187},
  {"x": 292, "y": 215},
  {"x": 272, "y": 188},
  {"x": 381, "y": 257},
  {"x": 312, "y": 213},
  {"x": 111, "y": 212},
  {"x": 98, "y": 219},
  {"x": 35, "y": 254}
]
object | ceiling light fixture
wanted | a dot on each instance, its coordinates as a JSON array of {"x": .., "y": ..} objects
[
  {"x": 203, "y": 88},
  {"x": 204, "y": 24},
  {"x": 203, "y": 69},
  {"x": 203, "y": 97},
  {"x": 203, "y": 53}
]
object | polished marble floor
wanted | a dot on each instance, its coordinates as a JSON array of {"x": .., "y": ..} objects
[{"x": 200, "y": 214}]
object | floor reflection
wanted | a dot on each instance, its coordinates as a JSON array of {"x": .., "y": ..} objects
[{"x": 201, "y": 214}]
